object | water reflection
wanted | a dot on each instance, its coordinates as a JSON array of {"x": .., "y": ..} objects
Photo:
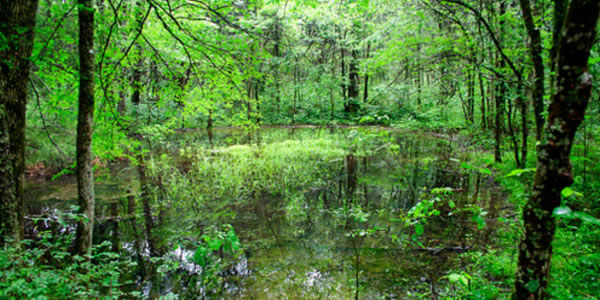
[{"x": 319, "y": 249}]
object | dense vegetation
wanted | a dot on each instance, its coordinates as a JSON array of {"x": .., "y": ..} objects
[{"x": 299, "y": 149}]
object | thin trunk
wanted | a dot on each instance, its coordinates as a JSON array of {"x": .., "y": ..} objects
[
  {"x": 483, "y": 98},
  {"x": 277, "y": 55},
  {"x": 500, "y": 94},
  {"x": 18, "y": 23},
  {"x": 139, "y": 59},
  {"x": 353, "y": 88},
  {"x": 85, "y": 119},
  {"x": 419, "y": 75},
  {"x": 535, "y": 49},
  {"x": 296, "y": 96},
  {"x": 524, "y": 129},
  {"x": 512, "y": 133},
  {"x": 366, "y": 89},
  {"x": 560, "y": 11},
  {"x": 256, "y": 98},
  {"x": 344, "y": 82},
  {"x": 554, "y": 171}
]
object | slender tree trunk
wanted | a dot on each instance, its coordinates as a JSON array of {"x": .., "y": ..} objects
[
  {"x": 499, "y": 97},
  {"x": 366, "y": 89},
  {"x": 139, "y": 59},
  {"x": 560, "y": 11},
  {"x": 535, "y": 49},
  {"x": 482, "y": 92},
  {"x": 85, "y": 119},
  {"x": 18, "y": 23},
  {"x": 512, "y": 133},
  {"x": 277, "y": 54},
  {"x": 419, "y": 75},
  {"x": 353, "y": 88},
  {"x": 524, "y": 129},
  {"x": 344, "y": 81},
  {"x": 554, "y": 171}
]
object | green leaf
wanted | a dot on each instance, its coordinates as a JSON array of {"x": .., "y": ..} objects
[
  {"x": 519, "y": 172},
  {"x": 480, "y": 221},
  {"x": 419, "y": 229},
  {"x": 566, "y": 192},
  {"x": 485, "y": 171},
  {"x": 215, "y": 244},
  {"x": 451, "y": 204},
  {"x": 200, "y": 256}
]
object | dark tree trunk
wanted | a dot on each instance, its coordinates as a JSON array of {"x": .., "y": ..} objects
[
  {"x": 353, "y": 89},
  {"x": 366, "y": 89},
  {"x": 277, "y": 54},
  {"x": 85, "y": 118},
  {"x": 565, "y": 114},
  {"x": 344, "y": 81},
  {"x": 535, "y": 49},
  {"x": 560, "y": 11},
  {"x": 18, "y": 23},
  {"x": 524, "y": 129},
  {"x": 139, "y": 60},
  {"x": 483, "y": 98},
  {"x": 499, "y": 96}
]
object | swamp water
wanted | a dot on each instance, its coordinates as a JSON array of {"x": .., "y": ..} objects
[{"x": 319, "y": 213}]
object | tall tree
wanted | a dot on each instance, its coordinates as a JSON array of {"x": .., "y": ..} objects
[
  {"x": 535, "y": 49},
  {"x": 85, "y": 118},
  {"x": 566, "y": 112},
  {"x": 16, "y": 33}
]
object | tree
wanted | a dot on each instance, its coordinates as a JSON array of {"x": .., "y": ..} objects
[
  {"x": 16, "y": 35},
  {"x": 535, "y": 48},
  {"x": 85, "y": 118},
  {"x": 566, "y": 112}
]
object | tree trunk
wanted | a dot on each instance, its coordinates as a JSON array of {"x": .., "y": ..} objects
[
  {"x": 560, "y": 11},
  {"x": 18, "y": 23},
  {"x": 499, "y": 97},
  {"x": 366, "y": 89},
  {"x": 535, "y": 49},
  {"x": 352, "y": 106},
  {"x": 139, "y": 59},
  {"x": 566, "y": 112},
  {"x": 85, "y": 118},
  {"x": 482, "y": 92}
]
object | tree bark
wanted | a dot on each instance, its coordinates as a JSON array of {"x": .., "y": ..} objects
[
  {"x": 566, "y": 112},
  {"x": 535, "y": 49},
  {"x": 139, "y": 59},
  {"x": 560, "y": 8},
  {"x": 500, "y": 93},
  {"x": 353, "y": 86},
  {"x": 85, "y": 118},
  {"x": 366, "y": 89},
  {"x": 14, "y": 77}
]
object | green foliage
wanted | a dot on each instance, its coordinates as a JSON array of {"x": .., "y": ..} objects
[{"x": 46, "y": 270}]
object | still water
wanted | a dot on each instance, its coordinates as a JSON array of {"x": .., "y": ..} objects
[{"x": 347, "y": 231}]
